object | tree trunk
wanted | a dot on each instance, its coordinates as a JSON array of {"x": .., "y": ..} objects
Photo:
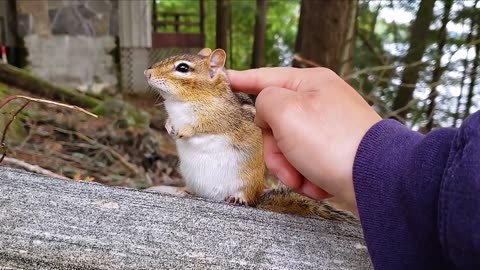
[
  {"x": 17, "y": 54},
  {"x": 438, "y": 69},
  {"x": 373, "y": 23},
  {"x": 418, "y": 43},
  {"x": 222, "y": 24},
  {"x": 456, "y": 115},
  {"x": 258, "y": 54},
  {"x": 346, "y": 61},
  {"x": 323, "y": 30},
  {"x": 473, "y": 75}
]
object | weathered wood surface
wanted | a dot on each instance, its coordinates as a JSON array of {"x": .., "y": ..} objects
[{"x": 48, "y": 223}]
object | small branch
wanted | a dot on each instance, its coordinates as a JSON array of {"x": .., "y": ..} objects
[
  {"x": 114, "y": 153},
  {"x": 304, "y": 61},
  {"x": 32, "y": 168},
  {"x": 382, "y": 68},
  {"x": 371, "y": 48},
  {"x": 3, "y": 146},
  {"x": 376, "y": 102},
  {"x": 73, "y": 107}
]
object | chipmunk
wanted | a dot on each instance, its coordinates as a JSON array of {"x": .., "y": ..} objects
[{"x": 220, "y": 148}]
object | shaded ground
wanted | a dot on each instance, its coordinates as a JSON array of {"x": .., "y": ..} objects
[{"x": 109, "y": 150}]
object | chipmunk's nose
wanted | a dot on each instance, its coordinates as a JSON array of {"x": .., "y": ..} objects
[{"x": 147, "y": 73}]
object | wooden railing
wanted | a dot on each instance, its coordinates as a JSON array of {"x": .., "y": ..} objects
[
  {"x": 164, "y": 19},
  {"x": 48, "y": 223},
  {"x": 178, "y": 29}
]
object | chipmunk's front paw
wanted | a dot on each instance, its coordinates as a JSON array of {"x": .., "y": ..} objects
[
  {"x": 236, "y": 200},
  {"x": 169, "y": 127},
  {"x": 184, "y": 132}
]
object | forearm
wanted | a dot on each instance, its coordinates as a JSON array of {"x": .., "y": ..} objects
[{"x": 414, "y": 191}]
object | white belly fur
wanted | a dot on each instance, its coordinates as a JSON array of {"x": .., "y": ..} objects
[
  {"x": 208, "y": 163},
  {"x": 210, "y": 166}
]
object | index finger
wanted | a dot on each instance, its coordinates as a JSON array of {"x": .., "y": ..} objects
[{"x": 253, "y": 81}]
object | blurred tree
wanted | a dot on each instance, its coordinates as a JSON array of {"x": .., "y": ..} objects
[
  {"x": 282, "y": 20},
  {"x": 417, "y": 46},
  {"x": 473, "y": 72},
  {"x": 323, "y": 32},
  {"x": 471, "y": 14},
  {"x": 348, "y": 47},
  {"x": 222, "y": 24},
  {"x": 258, "y": 52},
  {"x": 387, "y": 34},
  {"x": 369, "y": 50},
  {"x": 456, "y": 113},
  {"x": 438, "y": 68}
]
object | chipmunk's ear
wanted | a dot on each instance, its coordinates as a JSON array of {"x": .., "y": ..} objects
[
  {"x": 216, "y": 61},
  {"x": 205, "y": 52}
]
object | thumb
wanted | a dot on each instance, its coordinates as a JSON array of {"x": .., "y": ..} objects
[{"x": 271, "y": 106}]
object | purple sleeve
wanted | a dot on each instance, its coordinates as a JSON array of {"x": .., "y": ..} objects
[{"x": 418, "y": 196}]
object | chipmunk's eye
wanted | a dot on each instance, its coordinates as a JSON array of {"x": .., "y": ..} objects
[{"x": 182, "y": 67}]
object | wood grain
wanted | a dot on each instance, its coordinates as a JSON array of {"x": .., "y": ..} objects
[{"x": 48, "y": 223}]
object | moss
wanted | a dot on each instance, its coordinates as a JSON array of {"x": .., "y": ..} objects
[
  {"x": 16, "y": 132},
  {"x": 119, "y": 109},
  {"x": 4, "y": 90},
  {"x": 25, "y": 80}
]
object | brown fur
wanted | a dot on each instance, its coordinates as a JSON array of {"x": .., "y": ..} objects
[
  {"x": 221, "y": 111},
  {"x": 284, "y": 200}
]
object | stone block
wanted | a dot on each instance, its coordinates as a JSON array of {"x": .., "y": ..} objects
[
  {"x": 36, "y": 11},
  {"x": 25, "y": 24},
  {"x": 114, "y": 22},
  {"x": 56, "y": 4},
  {"x": 86, "y": 13},
  {"x": 99, "y": 6},
  {"x": 101, "y": 25},
  {"x": 81, "y": 62},
  {"x": 69, "y": 21}
]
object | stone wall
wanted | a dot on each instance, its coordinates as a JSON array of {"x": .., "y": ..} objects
[{"x": 70, "y": 42}]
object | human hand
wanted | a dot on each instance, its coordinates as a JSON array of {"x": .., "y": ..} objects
[{"x": 313, "y": 123}]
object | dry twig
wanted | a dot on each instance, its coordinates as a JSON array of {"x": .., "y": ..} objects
[
  {"x": 114, "y": 153},
  {"x": 39, "y": 100},
  {"x": 32, "y": 168},
  {"x": 3, "y": 146},
  {"x": 304, "y": 61}
]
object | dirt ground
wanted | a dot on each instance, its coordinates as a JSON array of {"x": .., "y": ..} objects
[{"x": 107, "y": 150}]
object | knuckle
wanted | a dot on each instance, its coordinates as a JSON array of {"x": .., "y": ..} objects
[
  {"x": 324, "y": 71},
  {"x": 263, "y": 98}
]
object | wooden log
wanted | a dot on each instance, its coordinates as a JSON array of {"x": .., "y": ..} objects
[
  {"x": 22, "y": 79},
  {"x": 48, "y": 223}
]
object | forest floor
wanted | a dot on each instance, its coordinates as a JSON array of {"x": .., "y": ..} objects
[{"x": 107, "y": 150}]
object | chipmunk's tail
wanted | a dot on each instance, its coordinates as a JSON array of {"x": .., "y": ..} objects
[{"x": 284, "y": 200}]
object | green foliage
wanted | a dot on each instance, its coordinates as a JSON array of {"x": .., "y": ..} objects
[
  {"x": 184, "y": 6},
  {"x": 382, "y": 40},
  {"x": 119, "y": 109},
  {"x": 282, "y": 20}
]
